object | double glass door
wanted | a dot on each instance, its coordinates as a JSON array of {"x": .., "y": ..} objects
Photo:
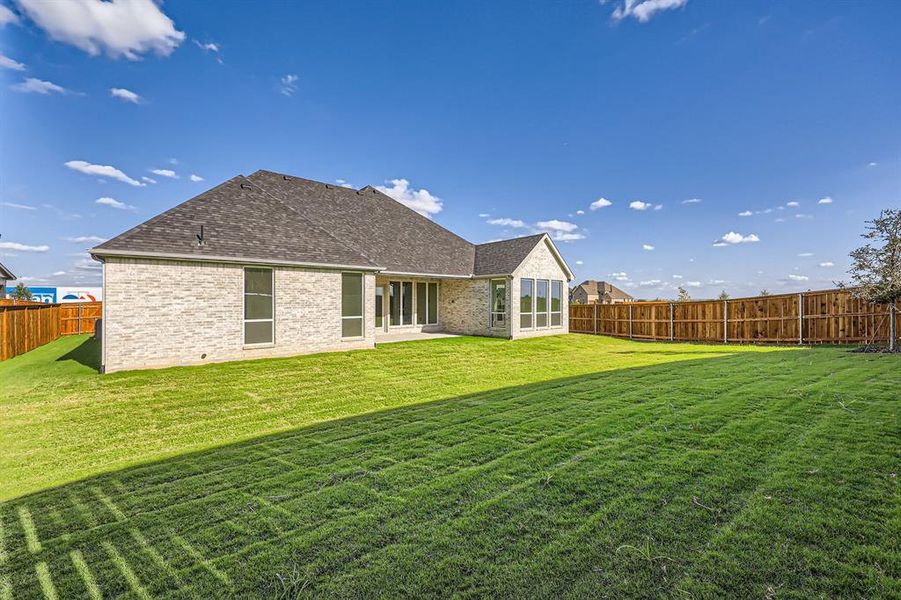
[{"x": 406, "y": 302}]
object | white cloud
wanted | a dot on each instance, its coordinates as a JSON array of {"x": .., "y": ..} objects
[
  {"x": 8, "y": 63},
  {"x": 32, "y": 85},
  {"x": 736, "y": 238},
  {"x": 7, "y": 16},
  {"x": 715, "y": 281},
  {"x": 803, "y": 216},
  {"x": 102, "y": 171},
  {"x": 18, "y": 206},
  {"x": 119, "y": 28},
  {"x": 692, "y": 201},
  {"x": 124, "y": 94},
  {"x": 579, "y": 262},
  {"x": 195, "y": 178},
  {"x": 620, "y": 276},
  {"x": 644, "y": 10},
  {"x": 580, "y": 212},
  {"x": 557, "y": 225},
  {"x": 639, "y": 205},
  {"x": 745, "y": 213},
  {"x": 693, "y": 284},
  {"x": 481, "y": 215},
  {"x": 165, "y": 173},
  {"x": 600, "y": 203},
  {"x": 649, "y": 283},
  {"x": 288, "y": 85},
  {"x": 793, "y": 204},
  {"x": 207, "y": 46},
  {"x": 505, "y": 222},
  {"x": 826, "y": 200},
  {"x": 148, "y": 179},
  {"x": 677, "y": 277},
  {"x": 58, "y": 273},
  {"x": 647, "y": 247},
  {"x": 805, "y": 254},
  {"x": 23, "y": 247},
  {"x": 86, "y": 239},
  {"x": 560, "y": 236},
  {"x": 873, "y": 164},
  {"x": 794, "y": 277},
  {"x": 828, "y": 263},
  {"x": 113, "y": 203},
  {"x": 421, "y": 200}
]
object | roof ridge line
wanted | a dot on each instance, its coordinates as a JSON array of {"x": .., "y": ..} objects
[{"x": 306, "y": 220}]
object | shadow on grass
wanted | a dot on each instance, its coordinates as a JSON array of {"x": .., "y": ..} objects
[
  {"x": 615, "y": 482},
  {"x": 87, "y": 353}
]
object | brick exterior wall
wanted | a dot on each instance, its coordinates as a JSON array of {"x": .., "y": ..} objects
[
  {"x": 466, "y": 306},
  {"x": 160, "y": 313},
  {"x": 540, "y": 264}
]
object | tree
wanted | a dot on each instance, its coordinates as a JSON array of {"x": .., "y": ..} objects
[
  {"x": 683, "y": 295},
  {"x": 22, "y": 293},
  {"x": 764, "y": 292},
  {"x": 876, "y": 266},
  {"x": 723, "y": 295}
]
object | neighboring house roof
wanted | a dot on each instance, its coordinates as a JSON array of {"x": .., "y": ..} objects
[
  {"x": 602, "y": 288},
  {"x": 269, "y": 217},
  {"x": 6, "y": 273}
]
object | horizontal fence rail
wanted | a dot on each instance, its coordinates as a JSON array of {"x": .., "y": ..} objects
[
  {"x": 819, "y": 317},
  {"x": 25, "y": 326}
]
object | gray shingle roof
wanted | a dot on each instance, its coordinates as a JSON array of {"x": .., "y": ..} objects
[
  {"x": 496, "y": 258},
  {"x": 6, "y": 273},
  {"x": 273, "y": 217},
  {"x": 600, "y": 288}
]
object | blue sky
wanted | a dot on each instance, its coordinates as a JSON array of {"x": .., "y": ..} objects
[{"x": 506, "y": 116}]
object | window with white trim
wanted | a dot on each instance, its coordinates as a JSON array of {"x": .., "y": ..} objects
[
  {"x": 541, "y": 304},
  {"x": 498, "y": 299},
  {"x": 526, "y": 303},
  {"x": 556, "y": 302},
  {"x": 351, "y": 305},
  {"x": 259, "y": 321}
]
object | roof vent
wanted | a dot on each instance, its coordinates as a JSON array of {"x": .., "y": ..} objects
[
  {"x": 328, "y": 187},
  {"x": 286, "y": 178},
  {"x": 245, "y": 186},
  {"x": 199, "y": 237}
]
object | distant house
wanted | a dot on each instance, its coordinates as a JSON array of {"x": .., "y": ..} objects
[
  {"x": 598, "y": 292},
  {"x": 275, "y": 265},
  {"x": 5, "y": 275}
]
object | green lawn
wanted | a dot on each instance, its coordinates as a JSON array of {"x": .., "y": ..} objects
[{"x": 566, "y": 466}]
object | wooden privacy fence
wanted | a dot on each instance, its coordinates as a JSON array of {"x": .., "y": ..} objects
[
  {"x": 26, "y": 325},
  {"x": 821, "y": 317}
]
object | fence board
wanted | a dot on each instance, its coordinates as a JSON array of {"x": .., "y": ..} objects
[
  {"x": 818, "y": 317},
  {"x": 25, "y": 326}
]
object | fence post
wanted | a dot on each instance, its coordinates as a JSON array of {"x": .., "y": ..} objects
[
  {"x": 725, "y": 321},
  {"x": 800, "y": 319},
  {"x": 892, "y": 335},
  {"x": 630, "y": 320},
  {"x": 78, "y": 316},
  {"x": 595, "y": 320},
  {"x": 672, "y": 331}
]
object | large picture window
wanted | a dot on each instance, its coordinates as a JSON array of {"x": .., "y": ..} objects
[
  {"x": 541, "y": 303},
  {"x": 526, "y": 303},
  {"x": 498, "y": 291},
  {"x": 258, "y": 306},
  {"x": 556, "y": 302},
  {"x": 351, "y": 305}
]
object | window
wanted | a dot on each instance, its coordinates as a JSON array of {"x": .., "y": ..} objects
[
  {"x": 498, "y": 290},
  {"x": 406, "y": 307},
  {"x": 526, "y": 303},
  {"x": 379, "y": 305},
  {"x": 556, "y": 300},
  {"x": 258, "y": 306},
  {"x": 351, "y": 305},
  {"x": 394, "y": 303},
  {"x": 541, "y": 303},
  {"x": 426, "y": 303}
]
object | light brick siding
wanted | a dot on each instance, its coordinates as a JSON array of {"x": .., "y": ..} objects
[
  {"x": 161, "y": 313},
  {"x": 465, "y": 305},
  {"x": 540, "y": 264}
]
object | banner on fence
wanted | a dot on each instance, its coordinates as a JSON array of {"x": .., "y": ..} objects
[{"x": 62, "y": 294}]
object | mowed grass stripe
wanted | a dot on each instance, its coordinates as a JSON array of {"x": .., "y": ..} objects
[{"x": 640, "y": 470}]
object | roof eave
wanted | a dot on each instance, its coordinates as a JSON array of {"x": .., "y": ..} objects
[{"x": 100, "y": 253}]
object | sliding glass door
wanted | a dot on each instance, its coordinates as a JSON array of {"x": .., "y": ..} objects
[{"x": 406, "y": 300}]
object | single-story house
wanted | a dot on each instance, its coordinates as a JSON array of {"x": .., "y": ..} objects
[
  {"x": 5, "y": 276},
  {"x": 598, "y": 292},
  {"x": 276, "y": 265}
]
